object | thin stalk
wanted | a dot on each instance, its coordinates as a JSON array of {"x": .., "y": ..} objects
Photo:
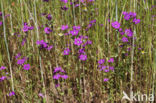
[{"x": 6, "y": 44}]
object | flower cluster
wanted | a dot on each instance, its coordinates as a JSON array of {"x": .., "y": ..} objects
[
  {"x": 26, "y": 28},
  {"x": 106, "y": 68},
  {"x": 22, "y": 61},
  {"x": 44, "y": 45},
  {"x": 2, "y": 68}
]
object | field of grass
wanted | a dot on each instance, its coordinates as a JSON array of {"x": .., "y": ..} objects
[{"x": 77, "y": 51}]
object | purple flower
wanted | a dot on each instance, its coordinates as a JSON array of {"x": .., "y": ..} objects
[
  {"x": 74, "y": 32},
  {"x": 49, "y": 17},
  {"x": 78, "y": 41},
  {"x": 136, "y": 21},
  {"x": 57, "y": 69},
  {"x": 106, "y": 70},
  {"x": 101, "y": 61},
  {"x": 103, "y": 67},
  {"x": 45, "y": 0},
  {"x": 2, "y": 78},
  {"x": 12, "y": 93},
  {"x": 93, "y": 21},
  {"x": 2, "y": 68},
  {"x": 64, "y": 27},
  {"x": 111, "y": 60},
  {"x": 65, "y": 1},
  {"x": 64, "y": 8},
  {"x": 122, "y": 33},
  {"x": 127, "y": 16},
  {"x": 77, "y": 27},
  {"x": 83, "y": 57},
  {"x": 124, "y": 12},
  {"x": 30, "y": 28},
  {"x": 1, "y": 23},
  {"x": 57, "y": 76},
  {"x": 111, "y": 68},
  {"x": 50, "y": 47},
  {"x": 124, "y": 39},
  {"x": 66, "y": 51},
  {"x": 81, "y": 51},
  {"x": 25, "y": 28},
  {"x": 116, "y": 25},
  {"x": 26, "y": 66},
  {"x": 47, "y": 30},
  {"x": 41, "y": 95},
  {"x": 21, "y": 61},
  {"x": 129, "y": 32},
  {"x": 64, "y": 76},
  {"x": 105, "y": 79}
]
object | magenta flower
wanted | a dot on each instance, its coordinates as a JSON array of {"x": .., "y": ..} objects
[
  {"x": 129, "y": 32},
  {"x": 101, "y": 61},
  {"x": 47, "y": 30},
  {"x": 136, "y": 21},
  {"x": 66, "y": 51},
  {"x": 103, "y": 67},
  {"x": 77, "y": 27},
  {"x": 105, "y": 79},
  {"x": 111, "y": 68},
  {"x": 111, "y": 60},
  {"x": 127, "y": 16},
  {"x": 64, "y": 27},
  {"x": 25, "y": 28},
  {"x": 50, "y": 47},
  {"x": 3, "y": 78},
  {"x": 64, "y": 8},
  {"x": 57, "y": 69},
  {"x": 12, "y": 93},
  {"x": 116, "y": 25},
  {"x": 1, "y": 23},
  {"x": 78, "y": 41},
  {"x": 81, "y": 51},
  {"x": 41, "y": 95},
  {"x": 26, "y": 66},
  {"x": 2, "y": 68},
  {"x": 74, "y": 32},
  {"x": 64, "y": 76},
  {"x": 124, "y": 39},
  {"x": 83, "y": 57},
  {"x": 57, "y": 76},
  {"x": 20, "y": 61},
  {"x": 65, "y": 1},
  {"x": 49, "y": 17}
]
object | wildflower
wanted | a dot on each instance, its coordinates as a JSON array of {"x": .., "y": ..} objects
[
  {"x": 57, "y": 69},
  {"x": 66, "y": 51},
  {"x": 74, "y": 32},
  {"x": 111, "y": 68},
  {"x": 25, "y": 28},
  {"x": 1, "y": 23},
  {"x": 83, "y": 57},
  {"x": 103, "y": 67},
  {"x": 105, "y": 79},
  {"x": 116, "y": 25},
  {"x": 47, "y": 30},
  {"x": 2, "y": 78},
  {"x": 30, "y": 28},
  {"x": 41, "y": 95},
  {"x": 57, "y": 76},
  {"x": 124, "y": 39},
  {"x": 49, "y": 17},
  {"x": 64, "y": 8},
  {"x": 77, "y": 27},
  {"x": 78, "y": 41},
  {"x": 64, "y": 27},
  {"x": 127, "y": 16},
  {"x": 122, "y": 33},
  {"x": 136, "y": 21},
  {"x": 64, "y": 76},
  {"x": 128, "y": 32},
  {"x": 65, "y": 1},
  {"x": 57, "y": 85},
  {"x": 93, "y": 21},
  {"x": 26, "y": 66},
  {"x": 124, "y": 12},
  {"x": 101, "y": 61},
  {"x": 81, "y": 51},
  {"x": 2, "y": 68},
  {"x": 21, "y": 61},
  {"x": 111, "y": 60},
  {"x": 12, "y": 93},
  {"x": 106, "y": 70},
  {"x": 45, "y": 0},
  {"x": 50, "y": 47}
]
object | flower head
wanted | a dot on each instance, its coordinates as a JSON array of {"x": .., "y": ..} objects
[
  {"x": 129, "y": 32},
  {"x": 111, "y": 60},
  {"x": 64, "y": 27},
  {"x": 78, "y": 41},
  {"x": 105, "y": 79},
  {"x": 47, "y": 30},
  {"x": 12, "y": 93},
  {"x": 116, "y": 25},
  {"x": 101, "y": 61},
  {"x": 83, "y": 57},
  {"x": 26, "y": 66},
  {"x": 66, "y": 51},
  {"x": 124, "y": 39}
]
